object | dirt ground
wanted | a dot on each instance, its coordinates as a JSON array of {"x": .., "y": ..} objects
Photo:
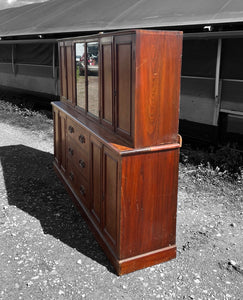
[{"x": 48, "y": 252}]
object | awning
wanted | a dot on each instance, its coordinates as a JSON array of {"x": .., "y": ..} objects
[{"x": 77, "y": 16}]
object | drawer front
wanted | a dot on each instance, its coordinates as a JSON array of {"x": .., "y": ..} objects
[
  {"x": 78, "y": 157},
  {"x": 78, "y": 183},
  {"x": 78, "y": 133}
]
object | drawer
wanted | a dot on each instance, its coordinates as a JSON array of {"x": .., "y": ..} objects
[
  {"x": 78, "y": 157},
  {"x": 78, "y": 183},
  {"x": 78, "y": 133}
]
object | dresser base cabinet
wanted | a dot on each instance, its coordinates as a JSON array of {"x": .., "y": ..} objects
[
  {"x": 129, "y": 196},
  {"x": 140, "y": 259}
]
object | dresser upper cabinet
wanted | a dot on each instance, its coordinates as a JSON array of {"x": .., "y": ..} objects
[{"x": 128, "y": 82}]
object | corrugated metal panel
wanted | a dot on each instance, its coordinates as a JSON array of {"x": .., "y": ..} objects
[{"x": 61, "y": 16}]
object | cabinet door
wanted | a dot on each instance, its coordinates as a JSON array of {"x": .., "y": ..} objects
[
  {"x": 111, "y": 183},
  {"x": 67, "y": 72},
  {"x": 63, "y": 122},
  {"x": 57, "y": 139},
  {"x": 107, "y": 104},
  {"x": 70, "y": 63},
  {"x": 63, "y": 70},
  {"x": 96, "y": 179},
  {"x": 60, "y": 139},
  {"x": 124, "y": 84}
]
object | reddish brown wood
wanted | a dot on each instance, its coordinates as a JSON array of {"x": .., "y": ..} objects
[
  {"x": 107, "y": 94},
  {"x": 123, "y": 85},
  {"x": 145, "y": 260},
  {"x": 62, "y": 132},
  {"x": 96, "y": 179},
  {"x": 122, "y": 169},
  {"x": 79, "y": 134},
  {"x": 111, "y": 186},
  {"x": 148, "y": 218},
  {"x": 70, "y": 74},
  {"x": 158, "y": 66},
  {"x": 57, "y": 144},
  {"x": 63, "y": 71}
]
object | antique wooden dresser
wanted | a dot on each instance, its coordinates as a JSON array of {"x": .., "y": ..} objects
[{"x": 116, "y": 141}]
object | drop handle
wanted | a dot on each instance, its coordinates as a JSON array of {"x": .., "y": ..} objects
[
  {"x": 82, "y": 163},
  {"x": 71, "y": 129},
  {"x": 71, "y": 176},
  {"x": 82, "y": 190},
  {"x": 81, "y": 139},
  {"x": 70, "y": 150}
]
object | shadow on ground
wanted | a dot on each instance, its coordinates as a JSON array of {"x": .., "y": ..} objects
[{"x": 33, "y": 187}]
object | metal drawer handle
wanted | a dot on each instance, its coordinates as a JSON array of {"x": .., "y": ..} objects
[
  {"x": 82, "y": 163},
  {"x": 70, "y": 150},
  {"x": 70, "y": 129},
  {"x": 81, "y": 139},
  {"x": 82, "y": 190},
  {"x": 71, "y": 176}
]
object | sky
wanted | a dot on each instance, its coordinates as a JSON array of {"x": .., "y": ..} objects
[{"x": 14, "y": 3}]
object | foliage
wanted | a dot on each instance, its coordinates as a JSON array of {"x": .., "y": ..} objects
[{"x": 226, "y": 161}]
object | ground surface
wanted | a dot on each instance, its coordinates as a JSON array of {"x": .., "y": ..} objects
[{"x": 48, "y": 252}]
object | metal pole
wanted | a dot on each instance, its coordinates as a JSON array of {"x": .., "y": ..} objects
[
  {"x": 217, "y": 93},
  {"x": 13, "y": 54}
]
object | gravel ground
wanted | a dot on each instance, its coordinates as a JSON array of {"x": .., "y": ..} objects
[{"x": 48, "y": 252}]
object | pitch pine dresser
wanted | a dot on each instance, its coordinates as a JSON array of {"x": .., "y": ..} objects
[{"x": 116, "y": 142}]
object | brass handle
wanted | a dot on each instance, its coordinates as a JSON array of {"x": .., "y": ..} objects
[
  {"x": 82, "y": 190},
  {"x": 70, "y": 150},
  {"x": 82, "y": 163},
  {"x": 81, "y": 139},
  {"x": 71, "y": 129},
  {"x": 71, "y": 176}
]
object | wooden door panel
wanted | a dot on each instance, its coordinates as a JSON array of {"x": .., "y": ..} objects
[
  {"x": 96, "y": 179},
  {"x": 107, "y": 97},
  {"x": 110, "y": 196},
  {"x": 124, "y": 85},
  {"x": 63, "y": 72},
  {"x": 70, "y": 74},
  {"x": 56, "y": 136},
  {"x": 63, "y": 122},
  {"x": 59, "y": 119}
]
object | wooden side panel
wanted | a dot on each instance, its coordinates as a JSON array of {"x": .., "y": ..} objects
[
  {"x": 149, "y": 202},
  {"x": 63, "y": 72},
  {"x": 70, "y": 74},
  {"x": 96, "y": 179},
  {"x": 158, "y": 67},
  {"x": 63, "y": 128},
  {"x": 59, "y": 119},
  {"x": 111, "y": 214},
  {"x": 57, "y": 139},
  {"x": 107, "y": 95},
  {"x": 123, "y": 85}
]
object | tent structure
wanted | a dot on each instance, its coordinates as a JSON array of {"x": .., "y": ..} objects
[
  {"x": 212, "y": 76},
  {"x": 61, "y": 16}
]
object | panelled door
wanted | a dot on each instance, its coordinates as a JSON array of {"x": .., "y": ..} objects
[
  {"x": 96, "y": 180},
  {"x": 124, "y": 71}
]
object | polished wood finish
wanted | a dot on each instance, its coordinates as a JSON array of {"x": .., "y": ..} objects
[
  {"x": 122, "y": 169},
  {"x": 158, "y": 66},
  {"x": 149, "y": 202},
  {"x": 111, "y": 185},
  {"x": 124, "y": 84},
  {"x": 96, "y": 179},
  {"x": 107, "y": 91},
  {"x": 63, "y": 71}
]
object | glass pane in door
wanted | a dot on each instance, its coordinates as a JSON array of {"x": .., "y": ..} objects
[
  {"x": 80, "y": 74},
  {"x": 93, "y": 77}
]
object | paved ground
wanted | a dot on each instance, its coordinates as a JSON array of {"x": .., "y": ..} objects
[{"x": 47, "y": 251}]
